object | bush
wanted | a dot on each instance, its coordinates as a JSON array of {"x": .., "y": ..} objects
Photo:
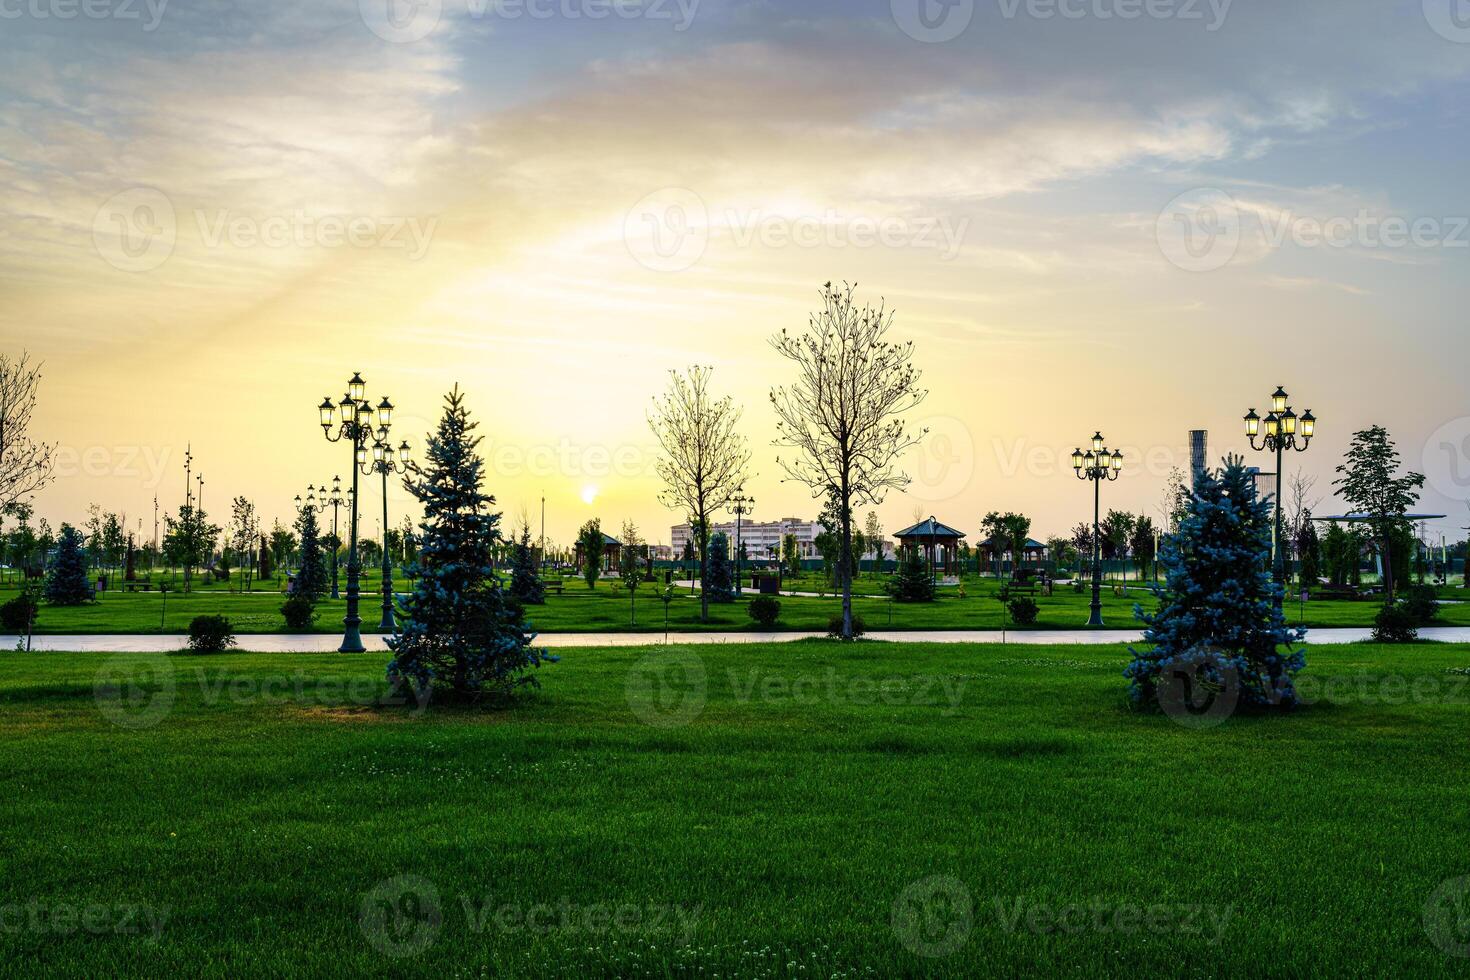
[
  {"x": 300, "y": 612},
  {"x": 210, "y": 634},
  {"x": 1023, "y": 610},
  {"x": 1395, "y": 624},
  {"x": 1421, "y": 602},
  {"x": 913, "y": 581},
  {"x": 765, "y": 610},
  {"x": 834, "y": 627},
  {"x": 17, "y": 615}
]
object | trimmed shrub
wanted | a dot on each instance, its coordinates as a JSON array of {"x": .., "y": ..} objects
[
  {"x": 17, "y": 615},
  {"x": 913, "y": 581},
  {"x": 1421, "y": 602},
  {"x": 1395, "y": 624},
  {"x": 765, "y": 610},
  {"x": 834, "y": 627},
  {"x": 300, "y": 612},
  {"x": 1024, "y": 610},
  {"x": 210, "y": 634}
]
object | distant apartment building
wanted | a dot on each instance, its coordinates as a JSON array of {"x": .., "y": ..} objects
[{"x": 758, "y": 537}]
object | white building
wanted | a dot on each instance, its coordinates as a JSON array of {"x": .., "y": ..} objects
[{"x": 758, "y": 537}]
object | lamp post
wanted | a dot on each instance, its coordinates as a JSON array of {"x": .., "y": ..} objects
[
  {"x": 336, "y": 501},
  {"x": 354, "y": 427},
  {"x": 383, "y": 462},
  {"x": 1283, "y": 430},
  {"x": 310, "y": 503},
  {"x": 742, "y": 505},
  {"x": 1097, "y": 464}
]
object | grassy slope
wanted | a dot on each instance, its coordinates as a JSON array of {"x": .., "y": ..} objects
[
  {"x": 606, "y": 608},
  {"x": 791, "y": 824}
]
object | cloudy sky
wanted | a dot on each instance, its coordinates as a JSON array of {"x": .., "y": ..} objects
[{"x": 1133, "y": 215}]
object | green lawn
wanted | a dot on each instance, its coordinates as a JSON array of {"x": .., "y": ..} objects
[
  {"x": 607, "y": 608},
  {"x": 799, "y": 810}
]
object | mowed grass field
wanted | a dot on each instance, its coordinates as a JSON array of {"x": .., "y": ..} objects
[
  {"x": 607, "y": 608},
  {"x": 799, "y": 810}
]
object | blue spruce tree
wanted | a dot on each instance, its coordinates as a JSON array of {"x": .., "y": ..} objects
[
  {"x": 525, "y": 580},
  {"x": 66, "y": 582},
  {"x": 461, "y": 634},
  {"x": 721, "y": 586},
  {"x": 311, "y": 577},
  {"x": 1216, "y": 618}
]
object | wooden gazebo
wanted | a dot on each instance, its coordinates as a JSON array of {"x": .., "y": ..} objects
[
  {"x": 612, "y": 553},
  {"x": 1033, "y": 551},
  {"x": 938, "y": 543}
]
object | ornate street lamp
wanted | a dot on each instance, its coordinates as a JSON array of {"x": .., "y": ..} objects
[
  {"x": 741, "y": 505},
  {"x": 384, "y": 462},
  {"x": 336, "y": 501},
  {"x": 1284, "y": 430},
  {"x": 1097, "y": 464},
  {"x": 354, "y": 427}
]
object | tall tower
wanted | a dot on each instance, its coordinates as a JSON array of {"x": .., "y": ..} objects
[{"x": 1198, "y": 442}]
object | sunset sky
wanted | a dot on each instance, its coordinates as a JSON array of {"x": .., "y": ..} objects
[{"x": 211, "y": 214}]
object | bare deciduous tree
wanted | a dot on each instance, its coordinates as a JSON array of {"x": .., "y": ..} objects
[
  {"x": 1174, "y": 503},
  {"x": 844, "y": 414},
  {"x": 1299, "y": 502},
  {"x": 25, "y": 465},
  {"x": 705, "y": 458}
]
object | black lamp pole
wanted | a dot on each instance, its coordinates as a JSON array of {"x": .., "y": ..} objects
[
  {"x": 742, "y": 506},
  {"x": 383, "y": 462},
  {"x": 336, "y": 499},
  {"x": 1096, "y": 465},
  {"x": 355, "y": 427},
  {"x": 1283, "y": 430}
]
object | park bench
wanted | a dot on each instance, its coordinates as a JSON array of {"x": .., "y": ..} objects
[
  {"x": 555, "y": 586},
  {"x": 1335, "y": 592},
  {"x": 138, "y": 587}
]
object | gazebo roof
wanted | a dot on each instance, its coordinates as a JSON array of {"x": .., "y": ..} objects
[
  {"x": 607, "y": 541},
  {"x": 998, "y": 542},
  {"x": 930, "y": 528}
]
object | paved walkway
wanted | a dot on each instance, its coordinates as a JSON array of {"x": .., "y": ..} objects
[{"x": 325, "y": 643}]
